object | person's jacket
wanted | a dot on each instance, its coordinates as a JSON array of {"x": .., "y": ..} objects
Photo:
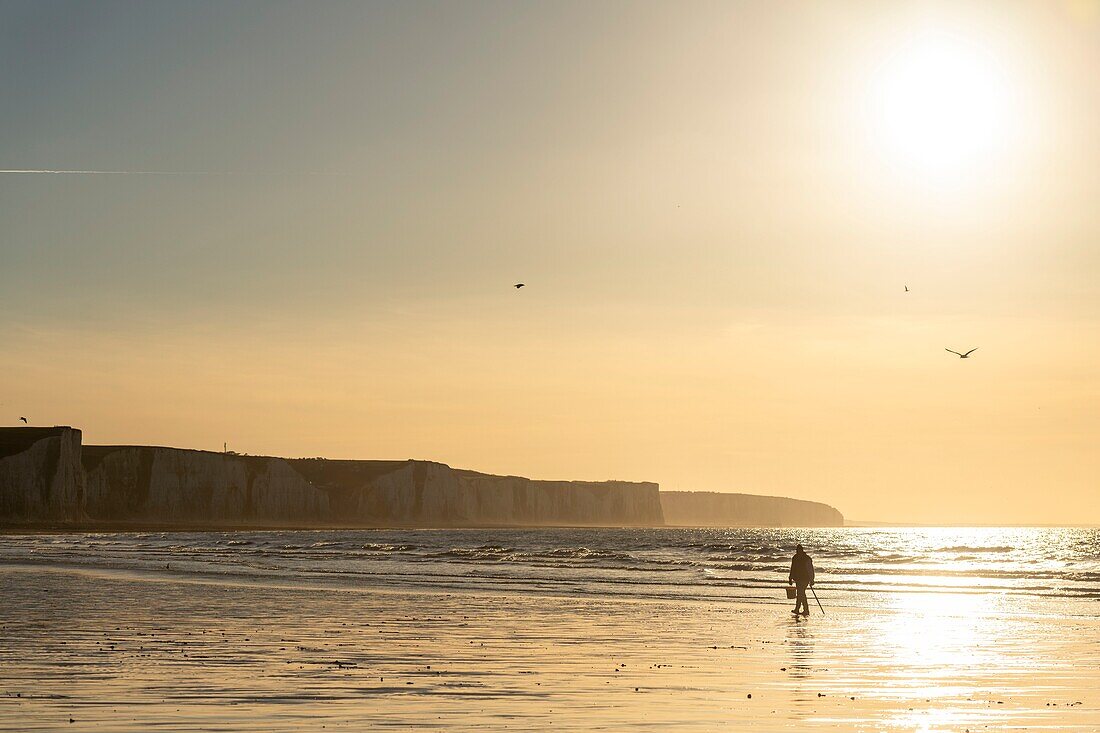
[{"x": 802, "y": 569}]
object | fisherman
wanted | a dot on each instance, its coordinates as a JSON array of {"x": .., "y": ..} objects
[{"x": 802, "y": 574}]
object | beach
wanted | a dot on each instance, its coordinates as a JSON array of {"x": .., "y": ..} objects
[
  {"x": 484, "y": 366},
  {"x": 90, "y": 647}
]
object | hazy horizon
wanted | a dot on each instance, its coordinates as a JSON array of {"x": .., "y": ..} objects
[{"x": 296, "y": 229}]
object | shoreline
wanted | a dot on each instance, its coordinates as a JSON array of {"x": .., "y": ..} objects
[
  {"x": 145, "y": 527},
  {"x": 54, "y": 528},
  {"x": 241, "y": 581},
  {"x": 142, "y": 655},
  {"x": 397, "y": 586}
]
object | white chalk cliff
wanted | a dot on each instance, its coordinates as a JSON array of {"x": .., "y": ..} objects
[
  {"x": 714, "y": 509},
  {"x": 40, "y": 474},
  {"x": 46, "y": 478},
  {"x": 419, "y": 493},
  {"x": 142, "y": 484}
]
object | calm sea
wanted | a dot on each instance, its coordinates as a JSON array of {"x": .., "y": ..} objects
[{"x": 1025, "y": 570}]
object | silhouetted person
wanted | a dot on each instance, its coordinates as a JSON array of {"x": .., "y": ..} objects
[{"x": 802, "y": 574}]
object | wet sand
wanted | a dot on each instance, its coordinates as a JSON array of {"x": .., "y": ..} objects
[{"x": 91, "y": 650}]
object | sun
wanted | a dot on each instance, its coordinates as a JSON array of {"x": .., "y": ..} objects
[{"x": 942, "y": 106}]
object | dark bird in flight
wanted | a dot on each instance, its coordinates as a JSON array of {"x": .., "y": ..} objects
[
  {"x": 23, "y": 419},
  {"x": 963, "y": 356},
  {"x": 519, "y": 285},
  {"x": 907, "y": 288}
]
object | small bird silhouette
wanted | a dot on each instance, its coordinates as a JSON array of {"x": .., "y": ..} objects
[
  {"x": 907, "y": 288},
  {"x": 519, "y": 285},
  {"x": 962, "y": 356},
  {"x": 23, "y": 419}
]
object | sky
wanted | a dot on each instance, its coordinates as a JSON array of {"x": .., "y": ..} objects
[{"x": 308, "y": 219}]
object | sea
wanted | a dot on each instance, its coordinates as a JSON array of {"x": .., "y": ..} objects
[{"x": 1032, "y": 571}]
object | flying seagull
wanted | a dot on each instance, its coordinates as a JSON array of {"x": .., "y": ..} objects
[
  {"x": 517, "y": 286},
  {"x": 962, "y": 356},
  {"x": 23, "y": 419}
]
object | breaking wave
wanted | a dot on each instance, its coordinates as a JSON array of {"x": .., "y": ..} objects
[{"x": 855, "y": 566}]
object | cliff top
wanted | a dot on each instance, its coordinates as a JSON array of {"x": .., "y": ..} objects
[
  {"x": 332, "y": 472},
  {"x": 18, "y": 439},
  {"x": 742, "y": 494}
]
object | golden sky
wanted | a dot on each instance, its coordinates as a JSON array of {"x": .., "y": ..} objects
[{"x": 310, "y": 219}]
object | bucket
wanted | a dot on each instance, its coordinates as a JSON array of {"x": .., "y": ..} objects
[{"x": 791, "y": 593}]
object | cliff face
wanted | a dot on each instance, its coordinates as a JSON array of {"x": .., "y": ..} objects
[
  {"x": 46, "y": 478},
  {"x": 423, "y": 493},
  {"x": 41, "y": 479},
  {"x": 170, "y": 486},
  {"x": 713, "y": 509}
]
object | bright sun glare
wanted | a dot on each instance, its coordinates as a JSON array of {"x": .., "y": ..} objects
[{"x": 944, "y": 106}]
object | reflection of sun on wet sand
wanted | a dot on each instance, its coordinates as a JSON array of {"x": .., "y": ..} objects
[{"x": 124, "y": 653}]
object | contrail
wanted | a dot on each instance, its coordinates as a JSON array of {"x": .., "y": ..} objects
[
  {"x": 33, "y": 171},
  {"x": 44, "y": 171}
]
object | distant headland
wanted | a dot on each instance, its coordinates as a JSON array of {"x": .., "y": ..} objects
[{"x": 48, "y": 479}]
